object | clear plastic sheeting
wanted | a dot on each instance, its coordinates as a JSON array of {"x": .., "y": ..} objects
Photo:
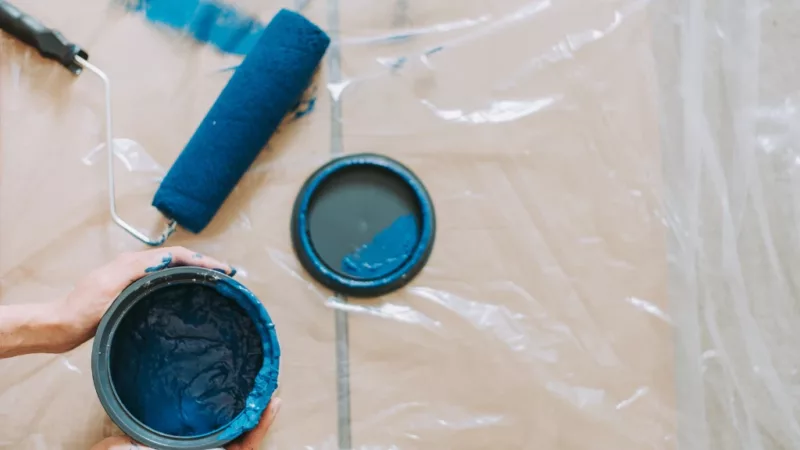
[
  {"x": 575, "y": 298},
  {"x": 730, "y": 92}
]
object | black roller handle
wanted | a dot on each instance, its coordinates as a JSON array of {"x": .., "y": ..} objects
[{"x": 50, "y": 43}]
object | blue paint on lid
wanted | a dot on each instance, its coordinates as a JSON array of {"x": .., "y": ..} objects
[
  {"x": 335, "y": 217},
  {"x": 387, "y": 252}
]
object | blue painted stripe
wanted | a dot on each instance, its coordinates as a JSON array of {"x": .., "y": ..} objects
[{"x": 209, "y": 22}]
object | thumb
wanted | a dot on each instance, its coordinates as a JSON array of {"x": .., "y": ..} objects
[{"x": 253, "y": 439}]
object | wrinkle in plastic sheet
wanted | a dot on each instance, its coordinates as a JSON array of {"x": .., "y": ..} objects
[
  {"x": 542, "y": 319},
  {"x": 731, "y": 207}
]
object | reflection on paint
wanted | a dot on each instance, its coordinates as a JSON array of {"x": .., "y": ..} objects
[
  {"x": 388, "y": 250},
  {"x": 208, "y": 22}
]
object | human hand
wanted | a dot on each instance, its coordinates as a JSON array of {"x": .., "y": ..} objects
[
  {"x": 83, "y": 308},
  {"x": 249, "y": 441}
]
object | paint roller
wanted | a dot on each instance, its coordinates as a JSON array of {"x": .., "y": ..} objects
[
  {"x": 267, "y": 84},
  {"x": 263, "y": 89}
]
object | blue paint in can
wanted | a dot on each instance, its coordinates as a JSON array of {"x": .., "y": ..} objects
[{"x": 185, "y": 360}]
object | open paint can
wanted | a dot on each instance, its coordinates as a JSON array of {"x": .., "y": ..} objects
[
  {"x": 185, "y": 359},
  {"x": 363, "y": 225}
]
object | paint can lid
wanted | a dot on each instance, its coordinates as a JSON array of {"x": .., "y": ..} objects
[{"x": 363, "y": 225}]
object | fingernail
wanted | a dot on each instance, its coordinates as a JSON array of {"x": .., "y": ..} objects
[{"x": 233, "y": 271}]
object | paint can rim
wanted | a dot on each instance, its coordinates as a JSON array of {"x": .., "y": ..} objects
[
  {"x": 351, "y": 285},
  {"x": 101, "y": 360}
]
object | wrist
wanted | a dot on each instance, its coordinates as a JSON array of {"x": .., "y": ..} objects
[
  {"x": 53, "y": 329},
  {"x": 38, "y": 328},
  {"x": 65, "y": 328}
]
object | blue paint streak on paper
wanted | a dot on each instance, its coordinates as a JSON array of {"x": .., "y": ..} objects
[
  {"x": 434, "y": 50},
  {"x": 387, "y": 251},
  {"x": 306, "y": 104},
  {"x": 398, "y": 37},
  {"x": 305, "y": 107},
  {"x": 399, "y": 63},
  {"x": 208, "y": 22},
  {"x": 165, "y": 262}
]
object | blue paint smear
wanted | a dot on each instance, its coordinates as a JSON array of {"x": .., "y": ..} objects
[
  {"x": 185, "y": 360},
  {"x": 398, "y": 37},
  {"x": 305, "y": 107},
  {"x": 208, "y": 22},
  {"x": 165, "y": 262},
  {"x": 399, "y": 63},
  {"x": 434, "y": 50},
  {"x": 387, "y": 251}
]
